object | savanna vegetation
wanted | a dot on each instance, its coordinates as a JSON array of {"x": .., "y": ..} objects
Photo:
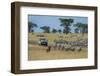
[{"x": 61, "y": 44}]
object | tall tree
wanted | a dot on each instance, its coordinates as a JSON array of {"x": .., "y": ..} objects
[
  {"x": 66, "y": 23},
  {"x": 31, "y": 26},
  {"x": 54, "y": 30},
  {"x": 76, "y": 30},
  {"x": 46, "y": 29},
  {"x": 59, "y": 31},
  {"x": 83, "y": 28}
]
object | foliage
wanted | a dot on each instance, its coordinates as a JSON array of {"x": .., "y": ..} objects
[
  {"x": 76, "y": 30},
  {"x": 66, "y": 23},
  {"x": 59, "y": 31},
  {"x": 31, "y": 26},
  {"x": 54, "y": 30},
  {"x": 46, "y": 29},
  {"x": 83, "y": 28}
]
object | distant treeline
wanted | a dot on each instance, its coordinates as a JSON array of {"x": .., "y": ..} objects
[{"x": 65, "y": 23}]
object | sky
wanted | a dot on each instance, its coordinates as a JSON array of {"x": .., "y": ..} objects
[{"x": 53, "y": 21}]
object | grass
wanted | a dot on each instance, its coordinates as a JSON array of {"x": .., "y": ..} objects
[
  {"x": 36, "y": 52},
  {"x": 51, "y": 37}
]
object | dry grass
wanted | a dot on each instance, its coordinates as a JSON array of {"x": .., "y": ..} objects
[
  {"x": 51, "y": 37},
  {"x": 36, "y": 52},
  {"x": 39, "y": 53}
]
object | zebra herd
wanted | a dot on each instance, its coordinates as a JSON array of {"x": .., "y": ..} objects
[{"x": 67, "y": 45}]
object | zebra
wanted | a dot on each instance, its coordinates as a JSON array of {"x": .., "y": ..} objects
[{"x": 48, "y": 49}]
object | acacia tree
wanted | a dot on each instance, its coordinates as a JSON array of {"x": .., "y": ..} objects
[
  {"x": 31, "y": 26},
  {"x": 76, "y": 30},
  {"x": 59, "y": 31},
  {"x": 54, "y": 30},
  {"x": 83, "y": 28},
  {"x": 66, "y": 23},
  {"x": 46, "y": 29}
]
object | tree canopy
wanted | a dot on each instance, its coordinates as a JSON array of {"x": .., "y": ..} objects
[
  {"x": 66, "y": 23},
  {"x": 83, "y": 28},
  {"x": 54, "y": 30},
  {"x": 46, "y": 29},
  {"x": 31, "y": 26}
]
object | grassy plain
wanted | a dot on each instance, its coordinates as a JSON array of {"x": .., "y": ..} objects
[{"x": 37, "y": 52}]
